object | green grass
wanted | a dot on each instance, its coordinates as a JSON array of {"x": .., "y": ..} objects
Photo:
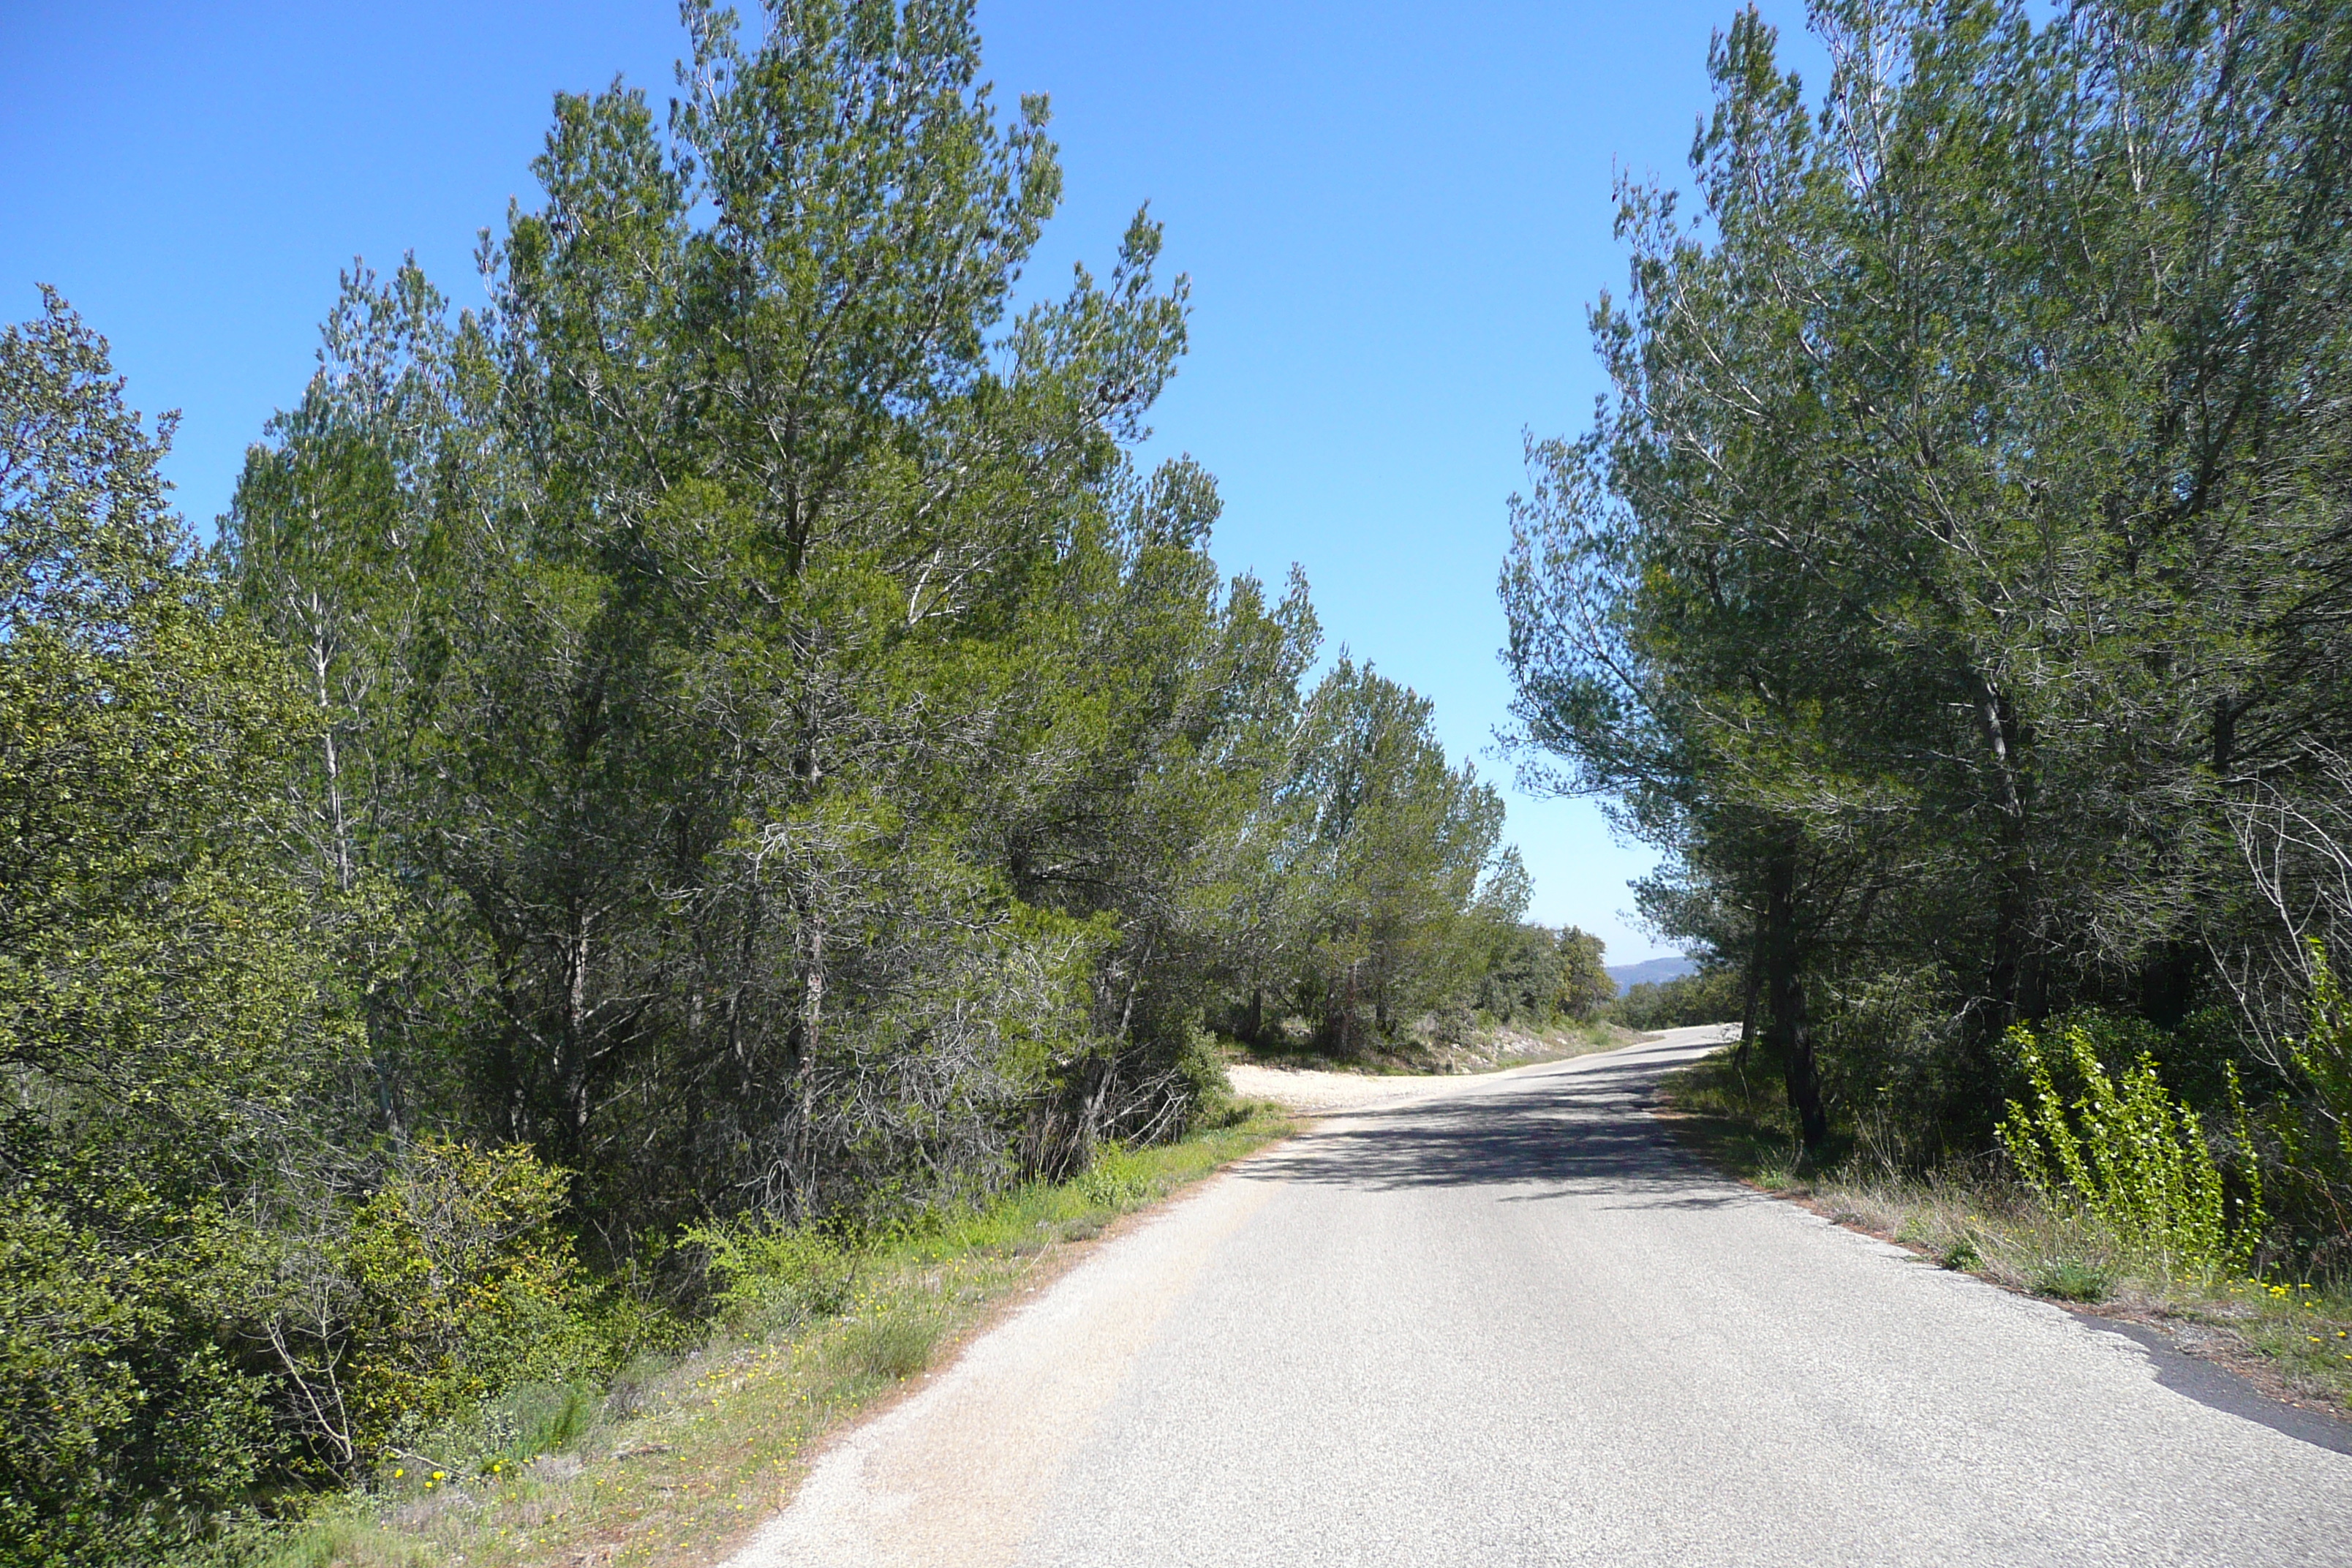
[
  {"x": 678, "y": 1459},
  {"x": 2293, "y": 1337}
]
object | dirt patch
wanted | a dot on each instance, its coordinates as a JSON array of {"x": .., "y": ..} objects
[
  {"x": 1299, "y": 1085},
  {"x": 1311, "y": 1092}
]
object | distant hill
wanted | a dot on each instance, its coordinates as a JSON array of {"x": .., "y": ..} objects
[{"x": 1649, "y": 971}]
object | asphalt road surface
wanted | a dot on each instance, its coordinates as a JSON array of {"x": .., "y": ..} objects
[{"x": 1502, "y": 1321}]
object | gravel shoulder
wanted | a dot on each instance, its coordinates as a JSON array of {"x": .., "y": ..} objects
[{"x": 1311, "y": 1092}]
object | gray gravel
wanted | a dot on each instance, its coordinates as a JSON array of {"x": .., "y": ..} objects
[{"x": 1505, "y": 1321}]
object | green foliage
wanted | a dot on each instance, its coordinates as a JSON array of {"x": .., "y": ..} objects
[
  {"x": 1403, "y": 890},
  {"x": 129, "y": 1428},
  {"x": 2071, "y": 1280},
  {"x": 204, "y": 1282},
  {"x": 795, "y": 757},
  {"x": 2306, "y": 1127},
  {"x": 389, "y": 1315},
  {"x": 1890, "y": 1044},
  {"x": 1585, "y": 986},
  {"x": 1936, "y": 590},
  {"x": 164, "y": 1014},
  {"x": 1522, "y": 978},
  {"x": 1534, "y": 974},
  {"x": 2324, "y": 1052},
  {"x": 771, "y": 1273},
  {"x": 535, "y": 1418},
  {"x": 461, "y": 1285},
  {"x": 2128, "y": 1156},
  {"x": 722, "y": 742},
  {"x": 894, "y": 1343},
  {"x": 1118, "y": 1181},
  {"x": 1710, "y": 996}
]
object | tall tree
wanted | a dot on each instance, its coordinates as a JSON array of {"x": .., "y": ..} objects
[
  {"x": 789, "y": 733},
  {"x": 168, "y": 1026},
  {"x": 1408, "y": 886},
  {"x": 1946, "y": 558}
]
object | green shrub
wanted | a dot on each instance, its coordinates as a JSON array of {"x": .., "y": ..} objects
[
  {"x": 769, "y": 1274},
  {"x": 1117, "y": 1180},
  {"x": 2073, "y": 1280},
  {"x": 2324, "y": 1054},
  {"x": 1892, "y": 1066},
  {"x": 451, "y": 1284},
  {"x": 2125, "y": 1156},
  {"x": 166, "y": 1008},
  {"x": 1209, "y": 1093},
  {"x": 126, "y": 1428},
  {"x": 538, "y": 1418},
  {"x": 895, "y": 1341},
  {"x": 465, "y": 1285}
]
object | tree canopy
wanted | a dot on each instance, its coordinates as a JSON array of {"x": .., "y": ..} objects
[
  {"x": 1954, "y": 578},
  {"x": 725, "y": 734}
]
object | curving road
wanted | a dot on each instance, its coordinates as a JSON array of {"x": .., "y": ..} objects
[{"x": 1502, "y": 1321}]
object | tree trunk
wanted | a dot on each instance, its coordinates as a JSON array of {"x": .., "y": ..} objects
[
  {"x": 808, "y": 1031},
  {"x": 2016, "y": 949},
  {"x": 1790, "y": 1035},
  {"x": 1754, "y": 984}
]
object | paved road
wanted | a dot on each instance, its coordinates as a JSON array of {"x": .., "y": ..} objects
[{"x": 1501, "y": 1321}]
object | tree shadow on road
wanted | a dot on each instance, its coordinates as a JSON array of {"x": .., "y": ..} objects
[{"x": 1585, "y": 1133}]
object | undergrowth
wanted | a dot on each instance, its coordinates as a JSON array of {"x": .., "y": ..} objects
[{"x": 673, "y": 1457}]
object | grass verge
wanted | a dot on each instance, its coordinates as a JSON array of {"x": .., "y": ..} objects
[
  {"x": 2290, "y": 1338},
  {"x": 682, "y": 1459}
]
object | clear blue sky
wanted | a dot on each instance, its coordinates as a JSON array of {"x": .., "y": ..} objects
[{"x": 1394, "y": 216}]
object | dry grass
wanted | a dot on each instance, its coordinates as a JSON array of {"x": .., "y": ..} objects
[
  {"x": 689, "y": 1456},
  {"x": 2292, "y": 1337}
]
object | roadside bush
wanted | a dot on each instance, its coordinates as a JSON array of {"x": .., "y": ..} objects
[
  {"x": 537, "y": 1418},
  {"x": 1117, "y": 1180},
  {"x": 126, "y": 1429},
  {"x": 2308, "y": 1130},
  {"x": 1584, "y": 984},
  {"x": 768, "y": 1274},
  {"x": 163, "y": 1008},
  {"x": 451, "y": 1284},
  {"x": 1523, "y": 977},
  {"x": 895, "y": 1339},
  {"x": 2324, "y": 1054},
  {"x": 2127, "y": 1157},
  {"x": 1207, "y": 1094},
  {"x": 464, "y": 1284}
]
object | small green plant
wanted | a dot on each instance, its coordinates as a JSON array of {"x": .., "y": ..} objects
[
  {"x": 1961, "y": 1255},
  {"x": 539, "y": 1418},
  {"x": 896, "y": 1341},
  {"x": 1116, "y": 1180},
  {"x": 2127, "y": 1157},
  {"x": 1783, "y": 1169},
  {"x": 2325, "y": 1053},
  {"x": 774, "y": 1275},
  {"x": 2073, "y": 1280}
]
